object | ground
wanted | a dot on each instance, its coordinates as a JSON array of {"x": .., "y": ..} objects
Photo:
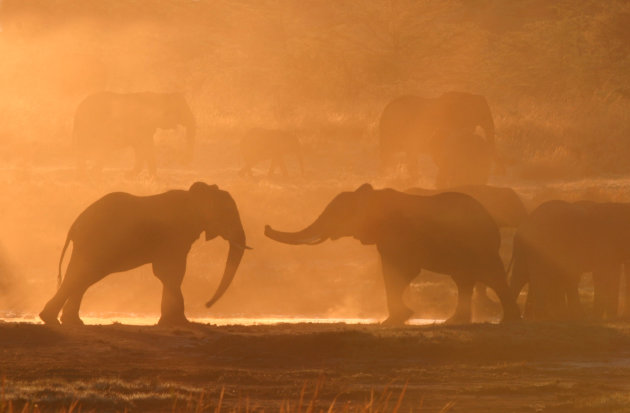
[{"x": 521, "y": 367}]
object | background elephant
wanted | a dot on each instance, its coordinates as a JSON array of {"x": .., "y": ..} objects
[
  {"x": 105, "y": 122},
  {"x": 558, "y": 243},
  {"x": 270, "y": 144},
  {"x": 449, "y": 233},
  {"x": 413, "y": 125},
  {"x": 503, "y": 203},
  {"x": 122, "y": 231}
]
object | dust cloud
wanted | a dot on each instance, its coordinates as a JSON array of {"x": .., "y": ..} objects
[{"x": 554, "y": 74}]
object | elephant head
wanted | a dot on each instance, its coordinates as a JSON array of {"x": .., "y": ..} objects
[
  {"x": 219, "y": 216},
  {"x": 350, "y": 214},
  {"x": 174, "y": 112}
]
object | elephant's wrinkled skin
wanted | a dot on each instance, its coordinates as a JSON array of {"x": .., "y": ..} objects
[
  {"x": 448, "y": 233},
  {"x": 415, "y": 125},
  {"x": 105, "y": 122},
  {"x": 122, "y": 231},
  {"x": 558, "y": 243},
  {"x": 263, "y": 144}
]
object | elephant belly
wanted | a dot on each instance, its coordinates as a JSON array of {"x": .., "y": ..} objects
[{"x": 450, "y": 258}]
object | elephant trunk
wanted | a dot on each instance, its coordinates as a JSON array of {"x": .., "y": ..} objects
[
  {"x": 310, "y": 235},
  {"x": 235, "y": 254}
]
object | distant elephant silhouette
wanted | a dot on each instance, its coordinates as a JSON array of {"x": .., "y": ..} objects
[
  {"x": 105, "y": 122},
  {"x": 449, "y": 233},
  {"x": 558, "y": 243},
  {"x": 122, "y": 231},
  {"x": 414, "y": 125},
  {"x": 502, "y": 203},
  {"x": 270, "y": 144}
]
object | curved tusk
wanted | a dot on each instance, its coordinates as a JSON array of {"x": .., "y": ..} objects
[{"x": 243, "y": 247}]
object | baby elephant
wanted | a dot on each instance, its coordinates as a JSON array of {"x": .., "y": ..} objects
[
  {"x": 264, "y": 144},
  {"x": 122, "y": 231}
]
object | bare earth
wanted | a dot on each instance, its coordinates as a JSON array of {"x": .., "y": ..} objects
[{"x": 521, "y": 367}]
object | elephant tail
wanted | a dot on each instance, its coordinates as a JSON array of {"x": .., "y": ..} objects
[{"x": 63, "y": 253}]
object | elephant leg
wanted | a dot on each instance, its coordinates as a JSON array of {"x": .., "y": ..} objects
[
  {"x": 170, "y": 271},
  {"x": 70, "y": 311},
  {"x": 72, "y": 288},
  {"x": 396, "y": 281},
  {"x": 496, "y": 278},
  {"x": 574, "y": 306},
  {"x": 463, "y": 311},
  {"x": 606, "y": 283}
]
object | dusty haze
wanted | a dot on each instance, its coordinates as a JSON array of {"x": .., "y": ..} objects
[{"x": 554, "y": 73}]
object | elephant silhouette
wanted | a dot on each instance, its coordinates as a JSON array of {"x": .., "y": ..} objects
[
  {"x": 558, "y": 243},
  {"x": 415, "y": 125},
  {"x": 105, "y": 122},
  {"x": 502, "y": 203},
  {"x": 449, "y": 233},
  {"x": 270, "y": 144},
  {"x": 121, "y": 231},
  {"x": 504, "y": 206}
]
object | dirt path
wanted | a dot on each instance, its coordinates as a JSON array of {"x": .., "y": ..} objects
[{"x": 483, "y": 367}]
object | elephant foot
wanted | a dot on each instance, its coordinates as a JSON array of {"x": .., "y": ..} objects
[
  {"x": 398, "y": 319},
  {"x": 71, "y": 320},
  {"x": 49, "y": 318},
  {"x": 173, "y": 321},
  {"x": 459, "y": 319}
]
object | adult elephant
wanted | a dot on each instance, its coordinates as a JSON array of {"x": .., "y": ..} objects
[
  {"x": 122, "y": 231},
  {"x": 106, "y": 121},
  {"x": 270, "y": 144},
  {"x": 558, "y": 243},
  {"x": 449, "y": 233},
  {"x": 414, "y": 125}
]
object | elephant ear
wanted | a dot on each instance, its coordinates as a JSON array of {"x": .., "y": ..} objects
[{"x": 364, "y": 188}]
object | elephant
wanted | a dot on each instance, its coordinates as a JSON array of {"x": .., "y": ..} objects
[
  {"x": 121, "y": 231},
  {"x": 448, "y": 233},
  {"x": 558, "y": 243},
  {"x": 106, "y": 121},
  {"x": 263, "y": 144},
  {"x": 414, "y": 125},
  {"x": 502, "y": 203}
]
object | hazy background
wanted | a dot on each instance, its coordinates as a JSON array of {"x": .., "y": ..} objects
[{"x": 554, "y": 73}]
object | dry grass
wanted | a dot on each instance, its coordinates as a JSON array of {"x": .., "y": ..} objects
[{"x": 307, "y": 402}]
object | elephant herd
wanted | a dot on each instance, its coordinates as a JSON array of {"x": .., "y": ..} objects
[
  {"x": 453, "y": 230},
  {"x": 455, "y": 233},
  {"x": 443, "y": 127}
]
